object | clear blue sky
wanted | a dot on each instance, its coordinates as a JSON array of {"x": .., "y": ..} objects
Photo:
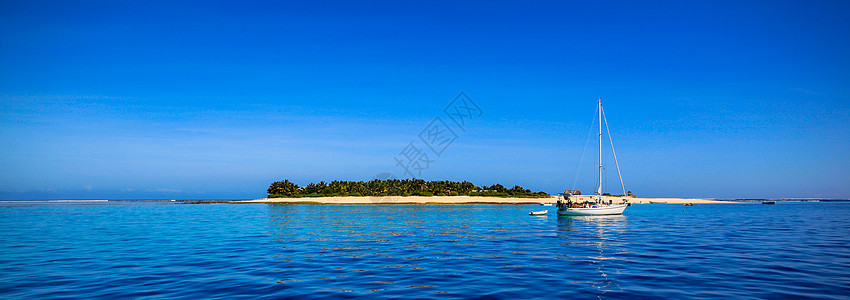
[{"x": 215, "y": 100}]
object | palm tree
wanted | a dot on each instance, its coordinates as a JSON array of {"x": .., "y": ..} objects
[{"x": 283, "y": 187}]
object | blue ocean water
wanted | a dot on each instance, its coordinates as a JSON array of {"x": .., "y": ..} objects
[{"x": 164, "y": 250}]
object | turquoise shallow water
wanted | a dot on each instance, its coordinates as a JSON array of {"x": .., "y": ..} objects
[{"x": 164, "y": 250}]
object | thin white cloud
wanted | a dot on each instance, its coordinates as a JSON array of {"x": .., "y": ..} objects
[
  {"x": 807, "y": 92},
  {"x": 165, "y": 190}
]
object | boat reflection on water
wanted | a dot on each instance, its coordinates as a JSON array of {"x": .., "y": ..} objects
[
  {"x": 607, "y": 223},
  {"x": 595, "y": 243},
  {"x": 410, "y": 251}
]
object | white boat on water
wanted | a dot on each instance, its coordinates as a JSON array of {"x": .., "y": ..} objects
[
  {"x": 595, "y": 210},
  {"x": 598, "y": 207},
  {"x": 538, "y": 213}
]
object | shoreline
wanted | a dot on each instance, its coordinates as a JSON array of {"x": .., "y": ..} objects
[
  {"x": 435, "y": 200},
  {"x": 461, "y": 200}
]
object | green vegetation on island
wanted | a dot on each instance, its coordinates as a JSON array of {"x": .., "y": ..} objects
[{"x": 396, "y": 187}]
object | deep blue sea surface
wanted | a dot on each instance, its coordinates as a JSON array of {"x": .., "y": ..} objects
[{"x": 658, "y": 251}]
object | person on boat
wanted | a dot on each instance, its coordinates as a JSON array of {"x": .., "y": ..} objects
[{"x": 567, "y": 201}]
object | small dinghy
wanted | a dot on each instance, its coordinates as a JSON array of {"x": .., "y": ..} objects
[
  {"x": 768, "y": 202},
  {"x": 538, "y": 213}
]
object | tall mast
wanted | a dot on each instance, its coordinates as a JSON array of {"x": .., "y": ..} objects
[
  {"x": 599, "y": 109},
  {"x": 608, "y": 130}
]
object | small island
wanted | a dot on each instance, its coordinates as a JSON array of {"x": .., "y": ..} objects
[
  {"x": 397, "y": 187},
  {"x": 418, "y": 191}
]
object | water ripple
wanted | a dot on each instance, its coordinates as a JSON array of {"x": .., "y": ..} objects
[{"x": 149, "y": 250}]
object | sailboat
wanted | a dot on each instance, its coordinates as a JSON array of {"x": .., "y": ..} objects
[{"x": 597, "y": 207}]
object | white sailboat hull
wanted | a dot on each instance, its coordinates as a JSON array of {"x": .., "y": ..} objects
[{"x": 615, "y": 209}]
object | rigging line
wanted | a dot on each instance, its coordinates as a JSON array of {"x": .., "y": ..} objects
[
  {"x": 605, "y": 170},
  {"x": 612, "y": 151},
  {"x": 583, "y": 150},
  {"x": 604, "y": 175}
]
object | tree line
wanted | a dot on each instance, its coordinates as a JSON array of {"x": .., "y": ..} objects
[{"x": 396, "y": 187}]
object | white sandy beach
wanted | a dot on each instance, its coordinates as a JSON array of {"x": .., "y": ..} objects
[{"x": 462, "y": 200}]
